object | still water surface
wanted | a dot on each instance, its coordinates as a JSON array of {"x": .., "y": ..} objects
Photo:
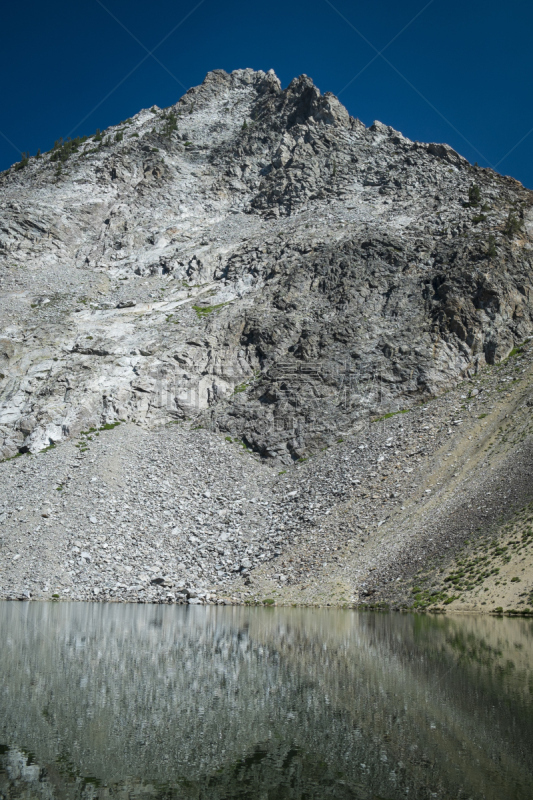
[{"x": 213, "y": 703}]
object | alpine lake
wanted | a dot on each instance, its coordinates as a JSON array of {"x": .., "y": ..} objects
[{"x": 162, "y": 702}]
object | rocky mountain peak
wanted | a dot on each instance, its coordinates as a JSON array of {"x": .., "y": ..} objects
[
  {"x": 248, "y": 280},
  {"x": 255, "y": 258}
]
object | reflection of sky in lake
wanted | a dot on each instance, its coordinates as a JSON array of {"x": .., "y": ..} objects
[{"x": 214, "y": 702}]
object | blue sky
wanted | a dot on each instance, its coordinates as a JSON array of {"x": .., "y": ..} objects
[{"x": 456, "y": 72}]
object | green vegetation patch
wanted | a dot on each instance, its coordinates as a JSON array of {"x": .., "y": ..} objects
[
  {"x": 513, "y": 225},
  {"x": 474, "y": 196},
  {"x": 107, "y": 427},
  {"x": 478, "y": 561},
  {"x": 204, "y": 311},
  {"x": 23, "y": 163},
  {"x": 516, "y": 351},
  {"x": 46, "y": 449},
  {"x": 87, "y": 436},
  {"x": 63, "y": 150},
  {"x": 391, "y": 414},
  {"x": 170, "y": 124},
  {"x": 492, "y": 251},
  {"x": 429, "y": 597}
]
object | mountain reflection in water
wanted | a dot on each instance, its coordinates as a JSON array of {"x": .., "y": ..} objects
[{"x": 217, "y": 703}]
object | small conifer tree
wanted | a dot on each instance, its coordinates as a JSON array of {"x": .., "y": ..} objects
[
  {"x": 491, "y": 249},
  {"x": 24, "y": 159},
  {"x": 512, "y": 226},
  {"x": 171, "y": 124},
  {"x": 474, "y": 195}
]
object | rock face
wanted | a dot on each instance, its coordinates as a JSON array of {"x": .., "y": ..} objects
[{"x": 256, "y": 256}]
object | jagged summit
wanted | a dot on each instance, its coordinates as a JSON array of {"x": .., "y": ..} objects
[{"x": 257, "y": 256}]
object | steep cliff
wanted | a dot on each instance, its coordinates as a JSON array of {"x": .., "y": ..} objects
[{"x": 257, "y": 255}]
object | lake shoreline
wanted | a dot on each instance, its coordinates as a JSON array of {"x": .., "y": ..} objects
[{"x": 227, "y": 602}]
